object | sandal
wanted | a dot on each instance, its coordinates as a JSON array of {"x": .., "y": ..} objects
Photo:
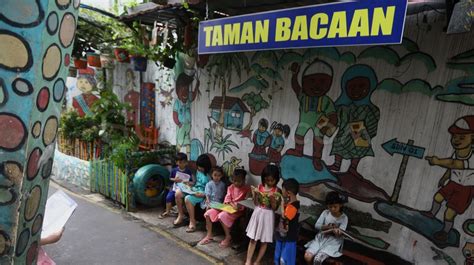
[
  {"x": 225, "y": 243},
  {"x": 206, "y": 240},
  {"x": 190, "y": 229},
  {"x": 164, "y": 215}
]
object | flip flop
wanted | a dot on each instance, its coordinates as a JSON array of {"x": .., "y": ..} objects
[
  {"x": 206, "y": 241},
  {"x": 225, "y": 244},
  {"x": 164, "y": 215},
  {"x": 190, "y": 229}
]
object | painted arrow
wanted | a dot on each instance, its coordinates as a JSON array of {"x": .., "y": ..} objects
[{"x": 393, "y": 146}]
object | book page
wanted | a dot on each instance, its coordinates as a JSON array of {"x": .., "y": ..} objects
[
  {"x": 59, "y": 208},
  {"x": 222, "y": 207},
  {"x": 186, "y": 189},
  {"x": 180, "y": 175}
]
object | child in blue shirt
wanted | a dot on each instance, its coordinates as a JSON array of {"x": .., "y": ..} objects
[
  {"x": 179, "y": 174},
  {"x": 287, "y": 232}
]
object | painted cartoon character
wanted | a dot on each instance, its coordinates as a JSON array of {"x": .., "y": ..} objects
[
  {"x": 358, "y": 117},
  {"x": 132, "y": 97},
  {"x": 278, "y": 142},
  {"x": 86, "y": 83},
  {"x": 182, "y": 110},
  {"x": 261, "y": 138},
  {"x": 231, "y": 165},
  {"x": 468, "y": 252},
  {"x": 457, "y": 184},
  {"x": 317, "y": 111}
]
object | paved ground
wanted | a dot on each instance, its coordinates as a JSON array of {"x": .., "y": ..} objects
[{"x": 100, "y": 236}]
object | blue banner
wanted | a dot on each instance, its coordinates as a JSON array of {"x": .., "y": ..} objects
[{"x": 336, "y": 24}]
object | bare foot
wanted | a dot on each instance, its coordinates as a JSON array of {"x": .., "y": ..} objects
[{"x": 178, "y": 221}]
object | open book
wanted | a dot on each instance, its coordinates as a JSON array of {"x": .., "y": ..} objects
[
  {"x": 59, "y": 208},
  {"x": 183, "y": 176},
  {"x": 186, "y": 189},
  {"x": 222, "y": 207},
  {"x": 345, "y": 233}
]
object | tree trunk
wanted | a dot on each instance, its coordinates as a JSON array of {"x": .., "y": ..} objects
[
  {"x": 220, "y": 123},
  {"x": 249, "y": 124}
]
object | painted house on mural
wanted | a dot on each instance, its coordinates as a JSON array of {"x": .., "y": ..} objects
[
  {"x": 390, "y": 126},
  {"x": 234, "y": 112}
]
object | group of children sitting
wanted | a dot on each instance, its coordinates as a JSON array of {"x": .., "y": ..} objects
[{"x": 210, "y": 192}]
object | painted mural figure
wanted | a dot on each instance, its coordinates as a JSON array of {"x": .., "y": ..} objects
[
  {"x": 182, "y": 110},
  {"x": 317, "y": 111},
  {"x": 277, "y": 142},
  {"x": 86, "y": 83},
  {"x": 358, "y": 117},
  {"x": 132, "y": 97},
  {"x": 457, "y": 184},
  {"x": 261, "y": 138},
  {"x": 468, "y": 252}
]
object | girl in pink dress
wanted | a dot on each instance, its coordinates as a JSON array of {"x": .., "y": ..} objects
[
  {"x": 261, "y": 225},
  {"x": 236, "y": 192}
]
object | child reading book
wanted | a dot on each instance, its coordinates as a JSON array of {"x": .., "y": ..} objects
[{"x": 236, "y": 192}]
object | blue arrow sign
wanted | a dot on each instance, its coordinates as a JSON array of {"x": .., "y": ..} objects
[{"x": 394, "y": 146}]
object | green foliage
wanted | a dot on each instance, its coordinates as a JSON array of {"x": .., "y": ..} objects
[
  {"x": 223, "y": 145},
  {"x": 255, "y": 101},
  {"x": 381, "y": 52},
  {"x": 414, "y": 85},
  {"x": 114, "y": 133},
  {"x": 425, "y": 58},
  {"x": 410, "y": 45},
  {"x": 109, "y": 108},
  {"x": 83, "y": 128},
  {"x": 121, "y": 147},
  {"x": 223, "y": 66},
  {"x": 98, "y": 32}
]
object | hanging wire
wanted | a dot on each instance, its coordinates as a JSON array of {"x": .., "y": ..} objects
[{"x": 207, "y": 11}]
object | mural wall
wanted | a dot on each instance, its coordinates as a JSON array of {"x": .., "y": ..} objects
[
  {"x": 32, "y": 86},
  {"x": 390, "y": 126}
]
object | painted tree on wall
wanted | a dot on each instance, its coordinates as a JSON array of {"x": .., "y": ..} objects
[
  {"x": 222, "y": 67},
  {"x": 256, "y": 103}
]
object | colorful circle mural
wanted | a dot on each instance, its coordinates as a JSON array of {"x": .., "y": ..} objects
[
  {"x": 50, "y": 130},
  {"x": 36, "y": 130},
  {"x": 22, "y": 242},
  {"x": 47, "y": 169},
  {"x": 22, "y": 87},
  {"x": 13, "y": 132},
  {"x": 52, "y": 23},
  {"x": 3, "y": 93},
  {"x": 63, "y": 4},
  {"x": 13, "y": 171},
  {"x": 5, "y": 243},
  {"x": 37, "y": 224},
  {"x": 7, "y": 195},
  {"x": 67, "y": 30},
  {"x": 32, "y": 203},
  {"x": 51, "y": 62},
  {"x": 15, "y": 53},
  {"x": 32, "y": 253},
  {"x": 58, "y": 90},
  {"x": 33, "y": 160},
  {"x": 42, "y": 101}
]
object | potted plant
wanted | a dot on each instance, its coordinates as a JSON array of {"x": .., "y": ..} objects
[
  {"x": 78, "y": 53},
  {"x": 93, "y": 59},
  {"x": 137, "y": 47},
  {"x": 106, "y": 58}
]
